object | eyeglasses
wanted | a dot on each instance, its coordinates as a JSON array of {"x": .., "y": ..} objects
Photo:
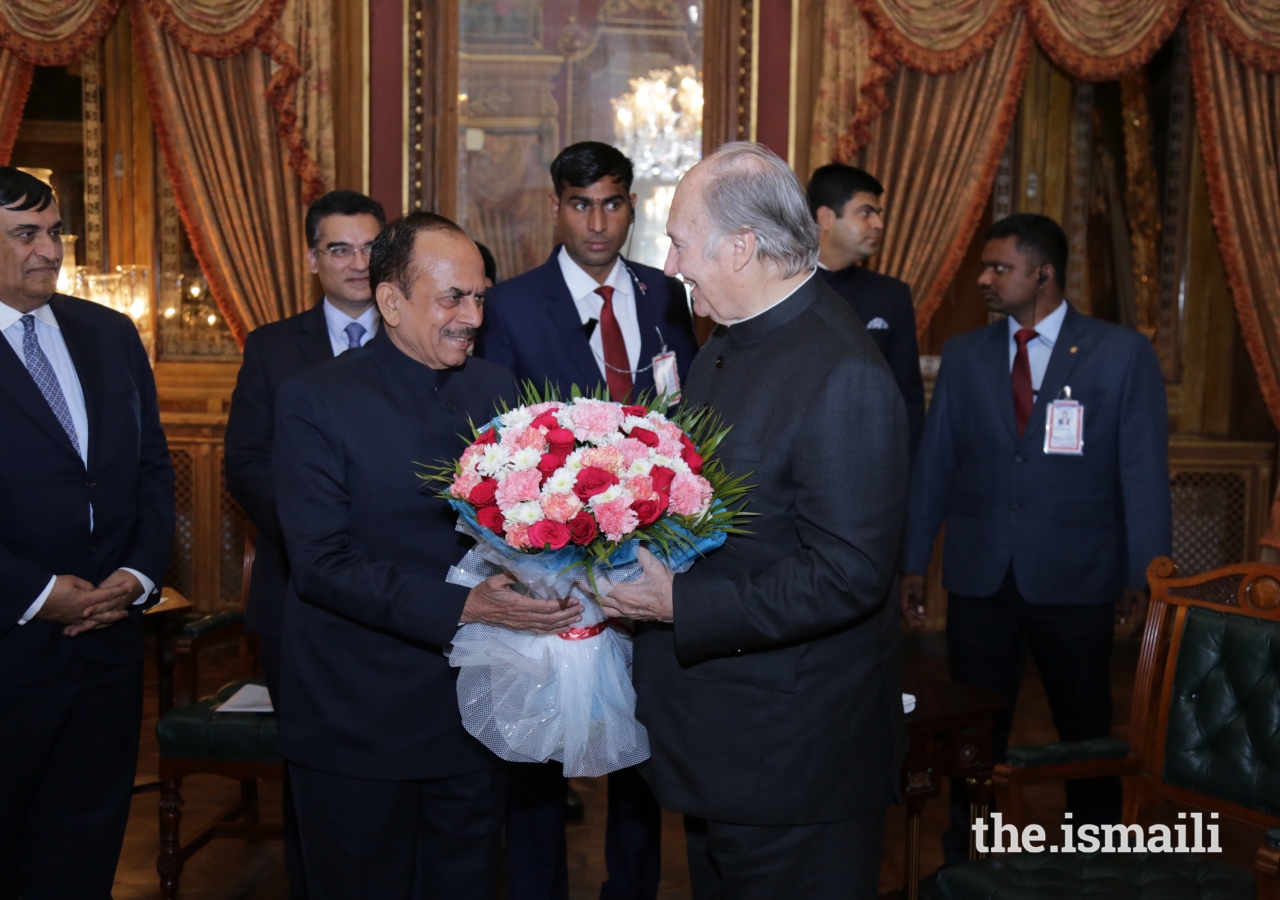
[{"x": 345, "y": 252}]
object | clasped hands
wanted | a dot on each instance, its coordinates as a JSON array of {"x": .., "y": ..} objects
[
  {"x": 81, "y": 607},
  {"x": 494, "y": 602}
]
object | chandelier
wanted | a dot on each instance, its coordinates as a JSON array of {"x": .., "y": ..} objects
[{"x": 658, "y": 124}]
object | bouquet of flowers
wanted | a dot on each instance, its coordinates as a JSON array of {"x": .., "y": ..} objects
[{"x": 560, "y": 495}]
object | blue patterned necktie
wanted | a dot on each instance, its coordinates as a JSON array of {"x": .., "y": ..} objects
[
  {"x": 42, "y": 371},
  {"x": 354, "y": 332}
]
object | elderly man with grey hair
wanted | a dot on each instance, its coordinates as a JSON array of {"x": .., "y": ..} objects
[{"x": 769, "y": 675}]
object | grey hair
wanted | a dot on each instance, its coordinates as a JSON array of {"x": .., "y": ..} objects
[{"x": 750, "y": 188}]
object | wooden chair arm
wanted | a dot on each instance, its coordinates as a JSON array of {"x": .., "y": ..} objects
[
  {"x": 179, "y": 673},
  {"x": 1266, "y": 867},
  {"x": 1010, "y": 780}
]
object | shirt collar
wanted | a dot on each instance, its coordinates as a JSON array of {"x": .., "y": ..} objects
[
  {"x": 1047, "y": 328},
  {"x": 10, "y": 316},
  {"x": 337, "y": 320},
  {"x": 581, "y": 284}
]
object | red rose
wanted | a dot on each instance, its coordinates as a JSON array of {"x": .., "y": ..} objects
[
  {"x": 561, "y": 441},
  {"x": 490, "y": 517},
  {"x": 582, "y": 529},
  {"x": 486, "y": 437},
  {"x": 662, "y": 478},
  {"x": 549, "y": 463},
  {"x": 645, "y": 436},
  {"x": 593, "y": 480},
  {"x": 688, "y": 442},
  {"x": 635, "y": 411},
  {"x": 547, "y": 533},
  {"x": 693, "y": 460},
  {"x": 649, "y": 511},
  {"x": 546, "y": 420},
  {"x": 483, "y": 493}
]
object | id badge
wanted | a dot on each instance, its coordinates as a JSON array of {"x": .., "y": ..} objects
[
  {"x": 1064, "y": 427},
  {"x": 666, "y": 377}
]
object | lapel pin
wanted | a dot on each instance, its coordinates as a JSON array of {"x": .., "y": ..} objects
[{"x": 1074, "y": 349}]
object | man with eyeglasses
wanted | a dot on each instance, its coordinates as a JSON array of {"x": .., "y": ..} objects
[{"x": 341, "y": 227}]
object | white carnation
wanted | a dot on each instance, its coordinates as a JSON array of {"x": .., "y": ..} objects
[
  {"x": 641, "y": 466},
  {"x": 635, "y": 421},
  {"x": 495, "y": 457},
  {"x": 525, "y": 458},
  {"x": 525, "y": 513},
  {"x": 613, "y": 493},
  {"x": 561, "y": 482},
  {"x": 518, "y": 419}
]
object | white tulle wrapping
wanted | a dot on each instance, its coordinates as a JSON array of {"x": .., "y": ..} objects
[{"x": 533, "y": 698}]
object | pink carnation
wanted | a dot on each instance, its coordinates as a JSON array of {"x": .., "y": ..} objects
[
  {"x": 517, "y": 535},
  {"x": 641, "y": 487},
  {"x": 560, "y": 507},
  {"x": 616, "y": 518},
  {"x": 530, "y": 437},
  {"x": 539, "y": 408},
  {"x": 518, "y": 487},
  {"x": 463, "y": 484},
  {"x": 690, "y": 494},
  {"x": 631, "y": 450},
  {"x": 669, "y": 446},
  {"x": 606, "y": 458},
  {"x": 595, "y": 417},
  {"x": 471, "y": 457}
]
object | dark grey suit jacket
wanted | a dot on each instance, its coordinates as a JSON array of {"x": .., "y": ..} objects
[{"x": 774, "y": 699}]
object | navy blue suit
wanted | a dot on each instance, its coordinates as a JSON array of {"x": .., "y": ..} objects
[
  {"x": 884, "y": 306},
  {"x": 1040, "y": 546},
  {"x": 272, "y": 353},
  {"x": 72, "y": 707},
  {"x": 383, "y": 772},
  {"x": 532, "y": 326}
]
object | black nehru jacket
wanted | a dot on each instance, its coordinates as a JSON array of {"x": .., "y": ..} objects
[
  {"x": 368, "y": 612},
  {"x": 774, "y": 699}
]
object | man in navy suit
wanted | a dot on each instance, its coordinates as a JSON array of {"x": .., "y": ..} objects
[
  {"x": 848, "y": 205},
  {"x": 1041, "y": 541},
  {"x": 584, "y": 317},
  {"x": 340, "y": 227},
  {"x": 86, "y": 522},
  {"x": 394, "y": 798}
]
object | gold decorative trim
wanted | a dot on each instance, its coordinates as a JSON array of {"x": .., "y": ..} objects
[
  {"x": 753, "y": 59},
  {"x": 1080, "y": 162},
  {"x": 91, "y": 86},
  {"x": 1173, "y": 260},
  {"x": 365, "y": 121},
  {"x": 793, "y": 74},
  {"x": 406, "y": 158},
  {"x": 1142, "y": 203}
]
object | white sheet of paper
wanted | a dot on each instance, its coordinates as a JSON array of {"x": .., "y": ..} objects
[
  {"x": 250, "y": 698},
  {"x": 666, "y": 377},
  {"x": 908, "y": 702}
]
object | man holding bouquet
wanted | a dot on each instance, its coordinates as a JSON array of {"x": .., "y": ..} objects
[
  {"x": 768, "y": 676},
  {"x": 394, "y": 799}
]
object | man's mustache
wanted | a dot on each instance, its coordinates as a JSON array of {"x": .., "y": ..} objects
[{"x": 467, "y": 333}]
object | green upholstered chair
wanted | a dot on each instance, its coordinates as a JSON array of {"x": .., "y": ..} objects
[
  {"x": 1204, "y": 731},
  {"x": 195, "y": 739}
]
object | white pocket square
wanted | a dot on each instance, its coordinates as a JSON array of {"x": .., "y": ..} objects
[{"x": 877, "y": 324}]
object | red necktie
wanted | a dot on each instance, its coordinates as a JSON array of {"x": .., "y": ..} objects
[
  {"x": 1022, "y": 397},
  {"x": 617, "y": 366}
]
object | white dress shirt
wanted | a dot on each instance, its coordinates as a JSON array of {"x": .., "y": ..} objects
[
  {"x": 49, "y": 336},
  {"x": 582, "y": 287},
  {"x": 1040, "y": 347},
  {"x": 337, "y": 321}
]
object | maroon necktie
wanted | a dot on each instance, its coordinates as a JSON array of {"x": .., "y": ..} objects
[
  {"x": 1022, "y": 398},
  {"x": 617, "y": 367}
]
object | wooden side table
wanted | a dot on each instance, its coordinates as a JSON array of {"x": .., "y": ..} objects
[{"x": 949, "y": 736}]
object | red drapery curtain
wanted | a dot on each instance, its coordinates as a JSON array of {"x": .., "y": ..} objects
[{"x": 273, "y": 56}]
